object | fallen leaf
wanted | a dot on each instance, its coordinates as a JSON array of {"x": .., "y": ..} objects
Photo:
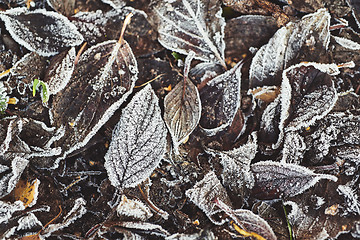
[{"x": 140, "y": 137}]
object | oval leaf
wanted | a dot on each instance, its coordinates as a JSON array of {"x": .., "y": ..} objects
[
  {"x": 312, "y": 32},
  {"x": 182, "y": 108},
  {"x": 138, "y": 141},
  {"x": 192, "y": 25},
  {"x": 274, "y": 180},
  {"x": 44, "y": 32}
]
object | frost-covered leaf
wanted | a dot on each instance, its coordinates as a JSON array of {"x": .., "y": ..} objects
[
  {"x": 10, "y": 173},
  {"x": 144, "y": 227},
  {"x": 351, "y": 197},
  {"x": 220, "y": 100},
  {"x": 65, "y": 7},
  {"x": 307, "y": 95},
  {"x": 294, "y": 148},
  {"x": 274, "y": 180},
  {"x": 101, "y": 26},
  {"x": 59, "y": 72},
  {"x": 203, "y": 194},
  {"x": 182, "y": 107},
  {"x": 7, "y": 210},
  {"x": 347, "y": 43},
  {"x": 23, "y": 73},
  {"x": 103, "y": 78},
  {"x": 76, "y": 212},
  {"x": 248, "y": 221},
  {"x": 336, "y": 130},
  {"x": 191, "y": 25},
  {"x": 44, "y": 32},
  {"x": 236, "y": 165},
  {"x": 138, "y": 141},
  {"x": 283, "y": 49},
  {"x": 133, "y": 208}
]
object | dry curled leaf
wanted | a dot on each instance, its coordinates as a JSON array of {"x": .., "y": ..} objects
[
  {"x": 138, "y": 141},
  {"x": 220, "y": 100}
]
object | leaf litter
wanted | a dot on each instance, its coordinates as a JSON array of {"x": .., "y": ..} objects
[{"x": 277, "y": 131}]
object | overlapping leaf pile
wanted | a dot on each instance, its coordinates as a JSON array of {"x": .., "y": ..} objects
[{"x": 200, "y": 119}]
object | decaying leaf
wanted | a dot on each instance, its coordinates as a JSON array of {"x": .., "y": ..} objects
[
  {"x": 220, "y": 100},
  {"x": 44, "y": 32},
  {"x": 192, "y": 25},
  {"x": 138, "y": 141},
  {"x": 283, "y": 180},
  {"x": 8, "y": 209},
  {"x": 59, "y": 72},
  {"x": 133, "y": 208},
  {"x": 310, "y": 35},
  {"x": 103, "y": 78},
  {"x": 27, "y": 192},
  {"x": 182, "y": 107},
  {"x": 251, "y": 224},
  {"x": 203, "y": 194}
]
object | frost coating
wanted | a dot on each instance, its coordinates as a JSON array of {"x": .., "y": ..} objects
[
  {"x": 41, "y": 31},
  {"x": 347, "y": 43},
  {"x": 351, "y": 199},
  {"x": 182, "y": 26},
  {"x": 133, "y": 208},
  {"x": 138, "y": 141}
]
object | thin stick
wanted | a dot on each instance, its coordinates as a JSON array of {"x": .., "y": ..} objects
[{"x": 157, "y": 77}]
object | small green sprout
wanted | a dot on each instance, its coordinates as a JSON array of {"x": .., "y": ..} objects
[
  {"x": 44, "y": 89},
  {"x": 288, "y": 223},
  {"x": 178, "y": 56}
]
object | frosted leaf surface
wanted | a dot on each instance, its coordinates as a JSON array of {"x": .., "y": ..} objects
[
  {"x": 182, "y": 108},
  {"x": 347, "y": 43},
  {"x": 286, "y": 44},
  {"x": 220, "y": 100},
  {"x": 7, "y": 210},
  {"x": 154, "y": 229},
  {"x": 60, "y": 70},
  {"x": 294, "y": 148},
  {"x": 282, "y": 180},
  {"x": 203, "y": 194},
  {"x": 352, "y": 203},
  {"x": 248, "y": 221},
  {"x": 44, "y": 32},
  {"x": 236, "y": 164},
  {"x": 138, "y": 141},
  {"x": 191, "y": 25},
  {"x": 133, "y": 208},
  {"x": 103, "y": 78},
  {"x": 10, "y": 175}
]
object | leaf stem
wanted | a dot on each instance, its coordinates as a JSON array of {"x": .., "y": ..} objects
[{"x": 126, "y": 22}]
